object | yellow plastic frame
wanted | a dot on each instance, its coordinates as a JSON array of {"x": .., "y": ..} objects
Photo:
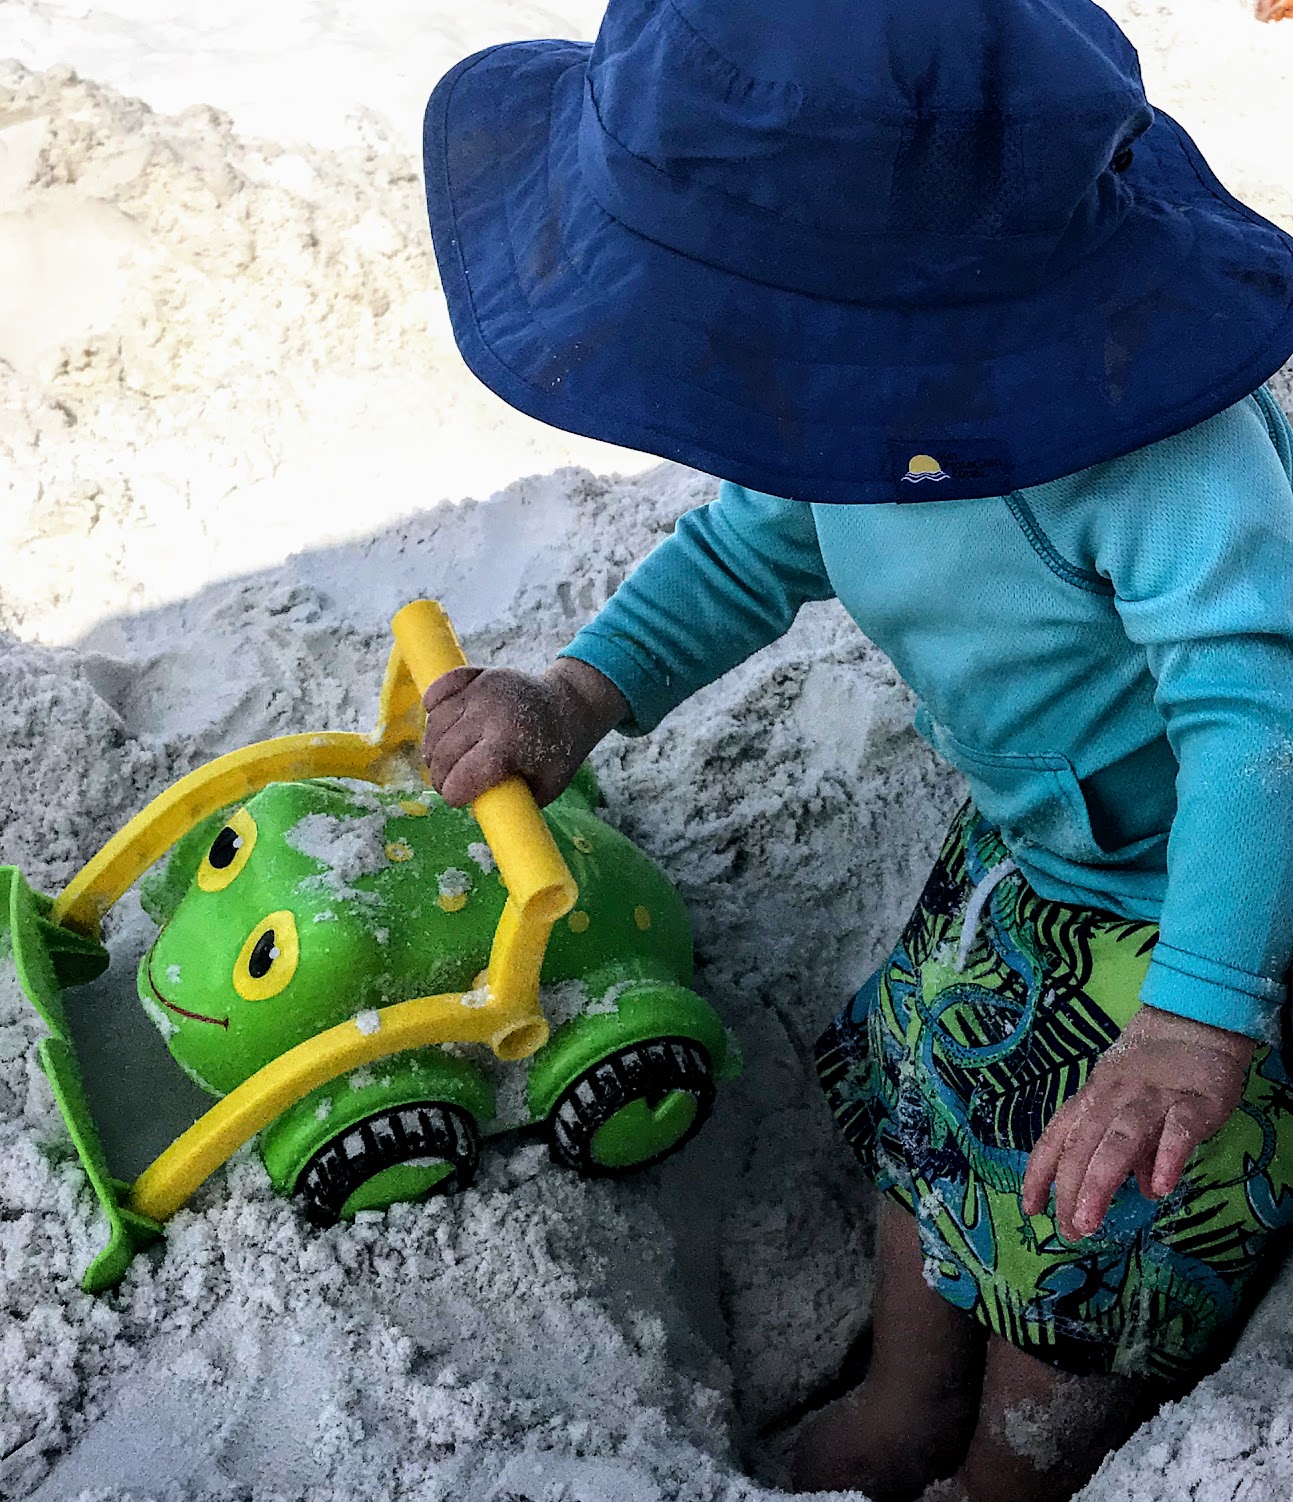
[{"x": 504, "y": 1012}]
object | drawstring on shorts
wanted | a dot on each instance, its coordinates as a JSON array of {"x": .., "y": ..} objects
[{"x": 974, "y": 908}]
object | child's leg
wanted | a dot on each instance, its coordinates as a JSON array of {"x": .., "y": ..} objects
[
  {"x": 912, "y": 1418},
  {"x": 1042, "y": 1433}
]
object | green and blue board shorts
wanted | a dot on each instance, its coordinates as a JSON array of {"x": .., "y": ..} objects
[{"x": 989, "y": 1013}]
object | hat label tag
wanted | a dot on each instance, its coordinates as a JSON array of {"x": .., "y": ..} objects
[
  {"x": 974, "y": 467},
  {"x": 921, "y": 467}
]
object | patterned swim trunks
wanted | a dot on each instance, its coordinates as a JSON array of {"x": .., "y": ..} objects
[{"x": 990, "y": 1012}]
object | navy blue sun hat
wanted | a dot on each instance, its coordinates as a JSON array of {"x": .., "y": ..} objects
[{"x": 847, "y": 250}]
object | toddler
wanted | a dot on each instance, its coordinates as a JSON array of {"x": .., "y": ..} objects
[{"x": 976, "y": 342}]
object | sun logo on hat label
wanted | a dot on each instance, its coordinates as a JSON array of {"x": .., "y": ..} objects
[{"x": 922, "y": 467}]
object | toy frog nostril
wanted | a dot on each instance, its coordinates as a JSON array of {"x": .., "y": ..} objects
[{"x": 1122, "y": 159}]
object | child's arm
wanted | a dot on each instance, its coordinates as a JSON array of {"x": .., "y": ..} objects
[
  {"x": 1203, "y": 573},
  {"x": 728, "y": 581}
]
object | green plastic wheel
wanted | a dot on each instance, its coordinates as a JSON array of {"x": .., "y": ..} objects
[
  {"x": 401, "y": 1181},
  {"x": 402, "y": 1154},
  {"x": 639, "y": 1132},
  {"x": 633, "y": 1108}
]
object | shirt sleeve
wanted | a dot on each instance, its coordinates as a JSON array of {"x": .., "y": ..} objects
[
  {"x": 729, "y": 580},
  {"x": 1201, "y": 560}
]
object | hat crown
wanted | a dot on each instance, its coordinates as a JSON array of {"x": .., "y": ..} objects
[
  {"x": 983, "y": 120},
  {"x": 696, "y": 239}
]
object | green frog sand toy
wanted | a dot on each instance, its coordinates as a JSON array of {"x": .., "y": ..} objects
[{"x": 354, "y": 969}]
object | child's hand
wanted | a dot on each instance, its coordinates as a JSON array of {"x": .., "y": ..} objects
[
  {"x": 1165, "y": 1086},
  {"x": 1274, "y": 10},
  {"x": 486, "y": 724}
]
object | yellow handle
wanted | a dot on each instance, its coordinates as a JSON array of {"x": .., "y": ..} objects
[
  {"x": 427, "y": 642},
  {"x": 538, "y": 879}
]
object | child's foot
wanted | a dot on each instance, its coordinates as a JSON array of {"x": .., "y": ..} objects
[
  {"x": 1042, "y": 1433},
  {"x": 852, "y": 1373},
  {"x": 887, "y": 1444},
  {"x": 911, "y": 1420}
]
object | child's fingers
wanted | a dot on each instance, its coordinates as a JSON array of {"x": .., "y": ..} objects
[
  {"x": 1119, "y": 1150},
  {"x": 1071, "y": 1172},
  {"x": 447, "y": 685},
  {"x": 443, "y": 753},
  {"x": 441, "y": 719},
  {"x": 480, "y": 769},
  {"x": 1045, "y": 1157},
  {"x": 1143, "y": 1168},
  {"x": 1185, "y": 1126}
]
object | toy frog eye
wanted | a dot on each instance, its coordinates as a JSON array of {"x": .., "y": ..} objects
[
  {"x": 269, "y": 958},
  {"x": 229, "y": 853}
]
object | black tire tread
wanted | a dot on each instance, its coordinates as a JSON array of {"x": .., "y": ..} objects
[
  {"x": 422, "y": 1129},
  {"x": 641, "y": 1071}
]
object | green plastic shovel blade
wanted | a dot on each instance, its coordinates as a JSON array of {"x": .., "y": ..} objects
[{"x": 47, "y": 958}]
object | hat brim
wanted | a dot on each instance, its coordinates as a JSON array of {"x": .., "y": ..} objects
[{"x": 577, "y": 321}]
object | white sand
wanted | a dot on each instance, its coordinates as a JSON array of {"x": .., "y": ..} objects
[{"x": 220, "y": 343}]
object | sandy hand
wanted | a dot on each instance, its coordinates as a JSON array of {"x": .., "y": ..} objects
[
  {"x": 1165, "y": 1086},
  {"x": 487, "y": 724}
]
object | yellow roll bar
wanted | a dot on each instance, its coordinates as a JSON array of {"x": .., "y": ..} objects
[
  {"x": 169, "y": 817},
  {"x": 192, "y": 1158},
  {"x": 505, "y": 1014}
]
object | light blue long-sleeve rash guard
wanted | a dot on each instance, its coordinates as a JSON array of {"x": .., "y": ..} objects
[{"x": 1108, "y": 658}]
